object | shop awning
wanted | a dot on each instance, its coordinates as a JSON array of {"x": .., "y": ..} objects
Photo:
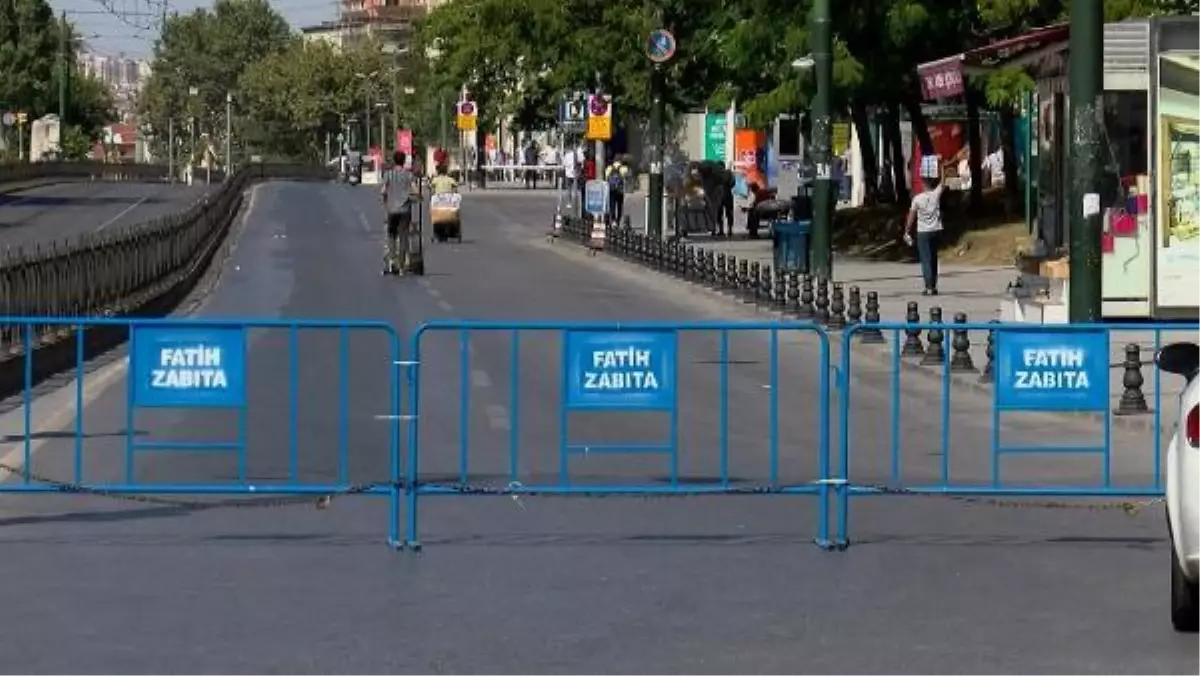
[{"x": 943, "y": 78}]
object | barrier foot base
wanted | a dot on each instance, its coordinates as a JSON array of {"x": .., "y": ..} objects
[
  {"x": 396, "y": 545},
  {"x": 830, "y": 545},
  {"x": 412, "y": 546}
]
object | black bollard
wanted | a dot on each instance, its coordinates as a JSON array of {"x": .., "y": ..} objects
[
  {"x": 912, "y": 340},
  {"x": 779, "y": 296},
  {"x": 837, "y": 308},
  {"x": 751, "y": 290},
  {"x": 960, "y": 358},
  {"x": 743, "y": 279},
  {"x": 989, "y": 369},
  {"x": 822, "y": 314},
  {"x": 710, "y": 268},
  {"x": 793, "y": 293},
  {"x": 719, "y": 278},
  {"x": 807, "y": 311},
  {"x": 1133, "y": 400},
  {"x": 731, "y": 275},
  {"x": 854, "y": 310},
  {"x": 764, "y": 286},
  {"x": 935, "y": 354},
  {"x": 869, "y": 333}
]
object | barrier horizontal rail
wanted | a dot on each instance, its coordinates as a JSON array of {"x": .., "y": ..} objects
[
  {"x": 604, "y": 371},
  {"x": 19, "y": 172},
  {"x": 201, "y": 367},
  {"x": 141, "y": 269},
  {"x": 1037, "y": 370}
]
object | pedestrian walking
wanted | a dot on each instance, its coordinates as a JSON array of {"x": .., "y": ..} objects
[
  {"x": 616, "y": 174},
  {"x": 530, "y": 160},
  {"x": 925, "y": 219}
]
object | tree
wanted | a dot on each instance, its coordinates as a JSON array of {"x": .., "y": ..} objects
[{"x": 208, "y": 50}]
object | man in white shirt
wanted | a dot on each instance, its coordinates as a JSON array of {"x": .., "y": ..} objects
[
  {"x": 571, "y": 162},
  {"x": 925, "y": 219},
  {"x": 550, "y": 161}
]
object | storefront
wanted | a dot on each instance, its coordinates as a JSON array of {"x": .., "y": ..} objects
[{"x": 1150, "y": 245}]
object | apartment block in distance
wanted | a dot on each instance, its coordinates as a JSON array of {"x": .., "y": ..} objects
[{"x": 390, "y": 21}]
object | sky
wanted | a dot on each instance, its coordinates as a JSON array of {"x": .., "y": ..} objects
[{"x": 100, "y": 21}]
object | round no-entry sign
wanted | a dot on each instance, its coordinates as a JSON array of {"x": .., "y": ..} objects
[
  {"x": 466, "y": 108},
  {"x": 661, "y": 45},
  {"x": 598, "y": 106}
]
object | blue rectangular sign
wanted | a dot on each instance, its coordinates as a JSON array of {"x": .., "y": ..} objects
[
  {"x": 187, "y": 366},
  {"x": 595, "y": 197},
  {"x": 620, "y": 370},
  {"x": 1052, "y": 371}
]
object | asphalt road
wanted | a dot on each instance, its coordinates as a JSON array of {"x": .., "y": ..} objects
[
  {"x": 64, "y": 211},
  {"x": 580, "y": 585}
]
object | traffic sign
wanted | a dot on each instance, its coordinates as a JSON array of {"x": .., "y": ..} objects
[
  {"x": 660, "y": 47},
  {"x": 599, "y": 119},
  {"x": 22, "y": 117},
  {"x": 9, "y": 119},
  {"x": 572, "y": 114},
  {"x": 468, "y": 116}
]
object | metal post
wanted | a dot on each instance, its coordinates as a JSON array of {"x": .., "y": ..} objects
[
  {"x": 64, "y": 64},
  {"x": 822, "y": 136},
  {"x": 654, "y": 219},
  {"x": 1027, "y": 159},
  {"x": 366, "y": 123},
  {"x": 229, "y": 134},
  {"x": 1085, "y": 70},
  {"x": 442, "y": 117},
  {"x": 382, "y": 133},
  {"x": 171, "y": 148}
]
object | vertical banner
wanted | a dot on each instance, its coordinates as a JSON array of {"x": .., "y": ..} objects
[
  {"x": 714, "y": 137},
  {"x": 404, "y": 141},
  {"x": 749, "y": 156}
]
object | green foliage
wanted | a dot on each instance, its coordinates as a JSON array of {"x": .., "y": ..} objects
[
  {"x": 76, "y": 143},
  {"x": 208, "y": 50}
]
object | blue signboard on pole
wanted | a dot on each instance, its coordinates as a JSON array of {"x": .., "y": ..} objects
[
  {"x": 595, "y": 197},
  {"x": 620, "y": 370},
  {"x": 1052, "y": 370},
  {"x": 188, "y": 366}
]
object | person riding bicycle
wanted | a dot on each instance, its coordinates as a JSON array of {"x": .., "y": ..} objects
[{"x": 398, "y": 192}]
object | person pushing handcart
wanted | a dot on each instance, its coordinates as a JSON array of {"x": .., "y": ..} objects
[{"x": 401, "y": 193}]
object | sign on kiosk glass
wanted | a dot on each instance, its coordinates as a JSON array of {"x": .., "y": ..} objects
[
  {"x": 1059, "y": 371},
  {"x": 189, "y": 366},
  {"x": 620, "y": 370}
]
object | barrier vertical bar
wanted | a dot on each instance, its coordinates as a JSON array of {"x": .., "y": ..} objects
[
  {"x": 995, "y": 439},
  {"x": 79, "y": 418},
  {"x": 343, "y": 405},
  {"x": 293, "y": 403},
  {"x": 673, "y": 431},
  {"x": 130, "y": 404},
  {"x": 242, "y": 426},
  {"x": 563, "y": 415},
  {"x": 27, "y": 395},
  {"x": 946, "y": 416},
  {"x": 773, "y": 423},
  {"x": 841, "y": 491},
  {"x": 1158, "y": 402},
  {"x": 823, "y": 452},
  {"x": 723, "y": 402},
  {"x": 1108, "y": 445},
  {"x": 895, "y": 421},
  {"x": 514, "y": 402},
  {"x": 414, "y": 422},
  {"x": 394, "y": 418},
  {"x": 464, "y": 408}
]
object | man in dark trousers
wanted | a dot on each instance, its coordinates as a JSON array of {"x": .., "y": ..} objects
[
  {"x": 530, "y": 160},
  {"x": 400, "y": 192}
]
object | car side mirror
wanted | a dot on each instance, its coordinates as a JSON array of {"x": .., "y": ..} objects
[{"x": 1182, "y": 359}]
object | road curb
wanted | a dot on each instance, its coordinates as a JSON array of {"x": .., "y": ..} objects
[{"x": 876, "y": 353}]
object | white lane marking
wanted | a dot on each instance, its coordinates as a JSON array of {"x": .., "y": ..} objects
[
  {"x": 480, "y": 378},
  {"x": 433, "y": 292},
  {"x": 62, "y": 402},
  {"x": 362, "y": 219},
  {"x": 425, "y": 283},
  {"x": 498, "y": 418},
  {"x": 445, "y": 306},
  {"x": 121, "y": 215}
]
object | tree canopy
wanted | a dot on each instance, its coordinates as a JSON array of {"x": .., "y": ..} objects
[{"x": 31, "y": 39}]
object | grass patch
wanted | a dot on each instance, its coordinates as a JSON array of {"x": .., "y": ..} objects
[{"x": 992, "y": 237}]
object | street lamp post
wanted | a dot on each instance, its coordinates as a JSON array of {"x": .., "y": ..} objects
[
  {"x": 228, "y": 134},
  {"x": 367, "y": 79},
  {"x": 822, "y": 140},
  {"x": 1088, "y": 148}
]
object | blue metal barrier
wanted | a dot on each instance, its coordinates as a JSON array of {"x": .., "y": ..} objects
[
  {"x": 609, "y": 369},
  {"x": 1043, "y": 370},
  {"x": 203, "y": 364}
]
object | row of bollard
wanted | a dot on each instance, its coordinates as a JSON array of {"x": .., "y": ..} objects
[{"x": 830, "y": 304}]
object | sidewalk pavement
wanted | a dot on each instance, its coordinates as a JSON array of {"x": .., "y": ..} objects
[{"x": 977, "y": 291}]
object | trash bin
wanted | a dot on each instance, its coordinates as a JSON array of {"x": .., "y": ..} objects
[{"x": 789, "y": 243}]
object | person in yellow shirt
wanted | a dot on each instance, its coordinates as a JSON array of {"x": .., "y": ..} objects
[{"x": 443, "y": 182}]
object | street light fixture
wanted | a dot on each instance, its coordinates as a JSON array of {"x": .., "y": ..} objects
[{"x": 804, "y": 63}]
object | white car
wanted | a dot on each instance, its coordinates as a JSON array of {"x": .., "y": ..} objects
[{"x": 1183, "y": 487}]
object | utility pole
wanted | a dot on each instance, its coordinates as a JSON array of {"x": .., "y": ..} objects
[
  {"x": 599, "y": 148},
  {"x": 654, "y": 219},
  {"x": 228, "y": 134},
  {"x": 1085, "y": 71},
  {"x": 822, "y": 141},
  {"x": 442, "y": 115},
  {"x": 171, "y": 148},
  {"x": 383, "y": 132},
  {"x": 64, "y": 73}
]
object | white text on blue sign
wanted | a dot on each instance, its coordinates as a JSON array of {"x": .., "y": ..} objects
[
  {"x": 1051, "y": 369},
  {"x": 189, "y": 368},
  {"x": 621, "y": 369}
]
